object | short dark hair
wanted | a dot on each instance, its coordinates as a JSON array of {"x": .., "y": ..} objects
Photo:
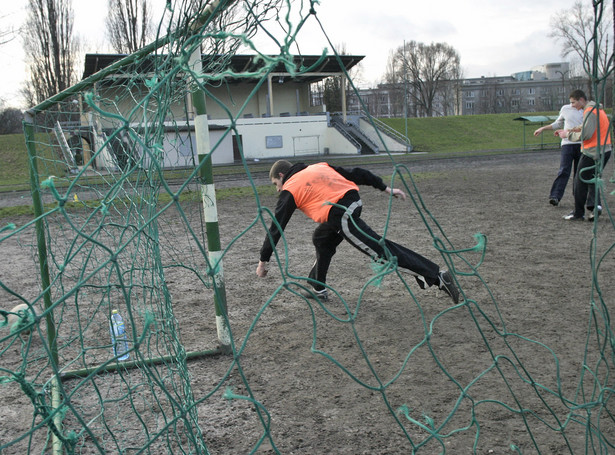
[
  {"x": 280, "y": 166},
  {"x": 577, "y": 95}
]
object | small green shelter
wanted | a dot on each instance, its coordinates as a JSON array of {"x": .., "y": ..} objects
[{"x": 536, "y": 121}]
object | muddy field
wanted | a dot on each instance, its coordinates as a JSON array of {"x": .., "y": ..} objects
[{"x": 381, "y": 369}]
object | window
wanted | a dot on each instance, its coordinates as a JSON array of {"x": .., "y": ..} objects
[
  {"x": 514, "y": 103},
  {"x": 515, "y": 91},
  {"x": 500, "y": 92},
  {"x": 470, "y": 94},
  {"x": 531, "y": 102},
  {"x": 532, "y": 91},
  {"x": 470, "y": 105}
]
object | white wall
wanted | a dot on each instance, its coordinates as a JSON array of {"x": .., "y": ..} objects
[
  {"x": 262, "y": 138},
  {"x": 279, "y": 137},
  {"x": 223, "y": 153}
]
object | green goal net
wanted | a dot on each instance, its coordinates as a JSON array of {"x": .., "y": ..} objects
[{"x": 126, "y": 219}]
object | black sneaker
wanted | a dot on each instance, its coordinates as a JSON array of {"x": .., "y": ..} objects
[
  {"x": 448, "y": 285},
  {"x": 554, "y": 201},
  {"x": 322, "y": 295},
  {"x": 572, "y": 217}
]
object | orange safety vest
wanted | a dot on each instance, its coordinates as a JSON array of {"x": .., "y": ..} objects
[
  {"x": 603, "y": 125},
  {"x": 315, "y": 188}
]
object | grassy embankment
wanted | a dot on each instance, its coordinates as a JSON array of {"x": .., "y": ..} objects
[
  {"x": 470, "y": 133},
  {"x": 440, "y": 136}
]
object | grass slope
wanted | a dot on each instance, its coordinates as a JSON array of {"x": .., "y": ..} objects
[
  {"x": 13, "y": 161},
  {"x": 471, "y": 133},
  {"x": 459, "y": 134}
]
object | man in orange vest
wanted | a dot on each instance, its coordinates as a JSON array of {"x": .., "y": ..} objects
[
  {"x": 329, "y": 195},
  {"x": 595, "y": 135}
]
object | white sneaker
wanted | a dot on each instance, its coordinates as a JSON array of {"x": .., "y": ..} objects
[
  {"x": 322, "y": 295},
  {"x": 598, "y": 212}
]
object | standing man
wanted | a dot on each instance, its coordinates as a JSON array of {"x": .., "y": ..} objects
[
  {"x": 569, "y": 117},
  {"x": 595, "y": 135},
  {"x": 329, "y": 195}
]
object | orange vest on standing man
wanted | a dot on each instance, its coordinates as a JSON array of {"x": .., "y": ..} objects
[{"x": 590, "y": 146}]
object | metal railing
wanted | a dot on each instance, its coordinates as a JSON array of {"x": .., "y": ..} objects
[{"x": 386, "y": 129}]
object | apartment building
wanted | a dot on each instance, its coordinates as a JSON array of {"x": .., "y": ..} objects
[{"x": 542, "y": 88}]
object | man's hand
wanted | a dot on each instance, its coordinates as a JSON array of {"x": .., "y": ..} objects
[
  {"x": 562, "y": 134},
  {"x": 396, "y": 192},
  {"x": 261, "y": 269}
]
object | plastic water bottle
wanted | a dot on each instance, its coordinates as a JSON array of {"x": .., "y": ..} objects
[{"x": 118, "y": 336}]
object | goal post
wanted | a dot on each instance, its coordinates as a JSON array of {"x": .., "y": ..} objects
[
  {"x": 210, "y": 207},
  {"x": 100, "y": 244}
]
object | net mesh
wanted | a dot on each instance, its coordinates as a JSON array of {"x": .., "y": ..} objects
[{"x": 121, "y": 191}]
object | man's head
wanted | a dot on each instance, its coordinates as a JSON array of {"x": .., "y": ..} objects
[
  {"x": 578, "y": 100},
  {"x": 278, "y": 171}
]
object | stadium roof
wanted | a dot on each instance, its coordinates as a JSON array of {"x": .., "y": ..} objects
[{"x": 320, "y": 67}]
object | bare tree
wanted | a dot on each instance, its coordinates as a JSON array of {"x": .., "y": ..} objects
[
  {"x": 584, "y": 32},
  {"x": 428, "y": 70},
  {"x": 332, "y": 94},
  {"x": 129, "y": 25},
  {"x": 450, "y": 92},
  {"x": 27, "y": 94},
  {"x": 50, "y": 47},
  {"x": 10, "y": 120}
]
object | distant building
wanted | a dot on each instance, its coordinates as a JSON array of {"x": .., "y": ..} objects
[
  {"x": 542, "y": 88},
  {"x": 384, "y": 101},
  {"x": 387, "y": 100}
]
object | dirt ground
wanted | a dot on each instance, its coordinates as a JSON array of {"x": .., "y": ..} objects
[{"x": 393, "y": 369}]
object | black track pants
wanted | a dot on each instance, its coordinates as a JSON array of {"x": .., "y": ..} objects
[{"x": 347, "y": 224}]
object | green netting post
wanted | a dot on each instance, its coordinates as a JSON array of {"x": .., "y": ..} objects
[
  {"x": 37, "y": 204},
  {"x": 210, "y": 208}
]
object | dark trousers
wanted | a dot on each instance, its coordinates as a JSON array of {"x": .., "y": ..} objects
[
  {"x": 586, "y": 172},
  {"x": 569, "y": 159},
  {"x": 346, "y": 223}
]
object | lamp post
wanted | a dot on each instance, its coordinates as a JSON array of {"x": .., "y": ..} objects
[
  {"x": 406, "y": 96},
  {"x": 563, "y": 74}
]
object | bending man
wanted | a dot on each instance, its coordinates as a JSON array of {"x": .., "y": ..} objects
[{"x": 313, "y": 189}]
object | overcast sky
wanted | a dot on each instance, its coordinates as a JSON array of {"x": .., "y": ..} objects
[{"x": 492, "y": 37}]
